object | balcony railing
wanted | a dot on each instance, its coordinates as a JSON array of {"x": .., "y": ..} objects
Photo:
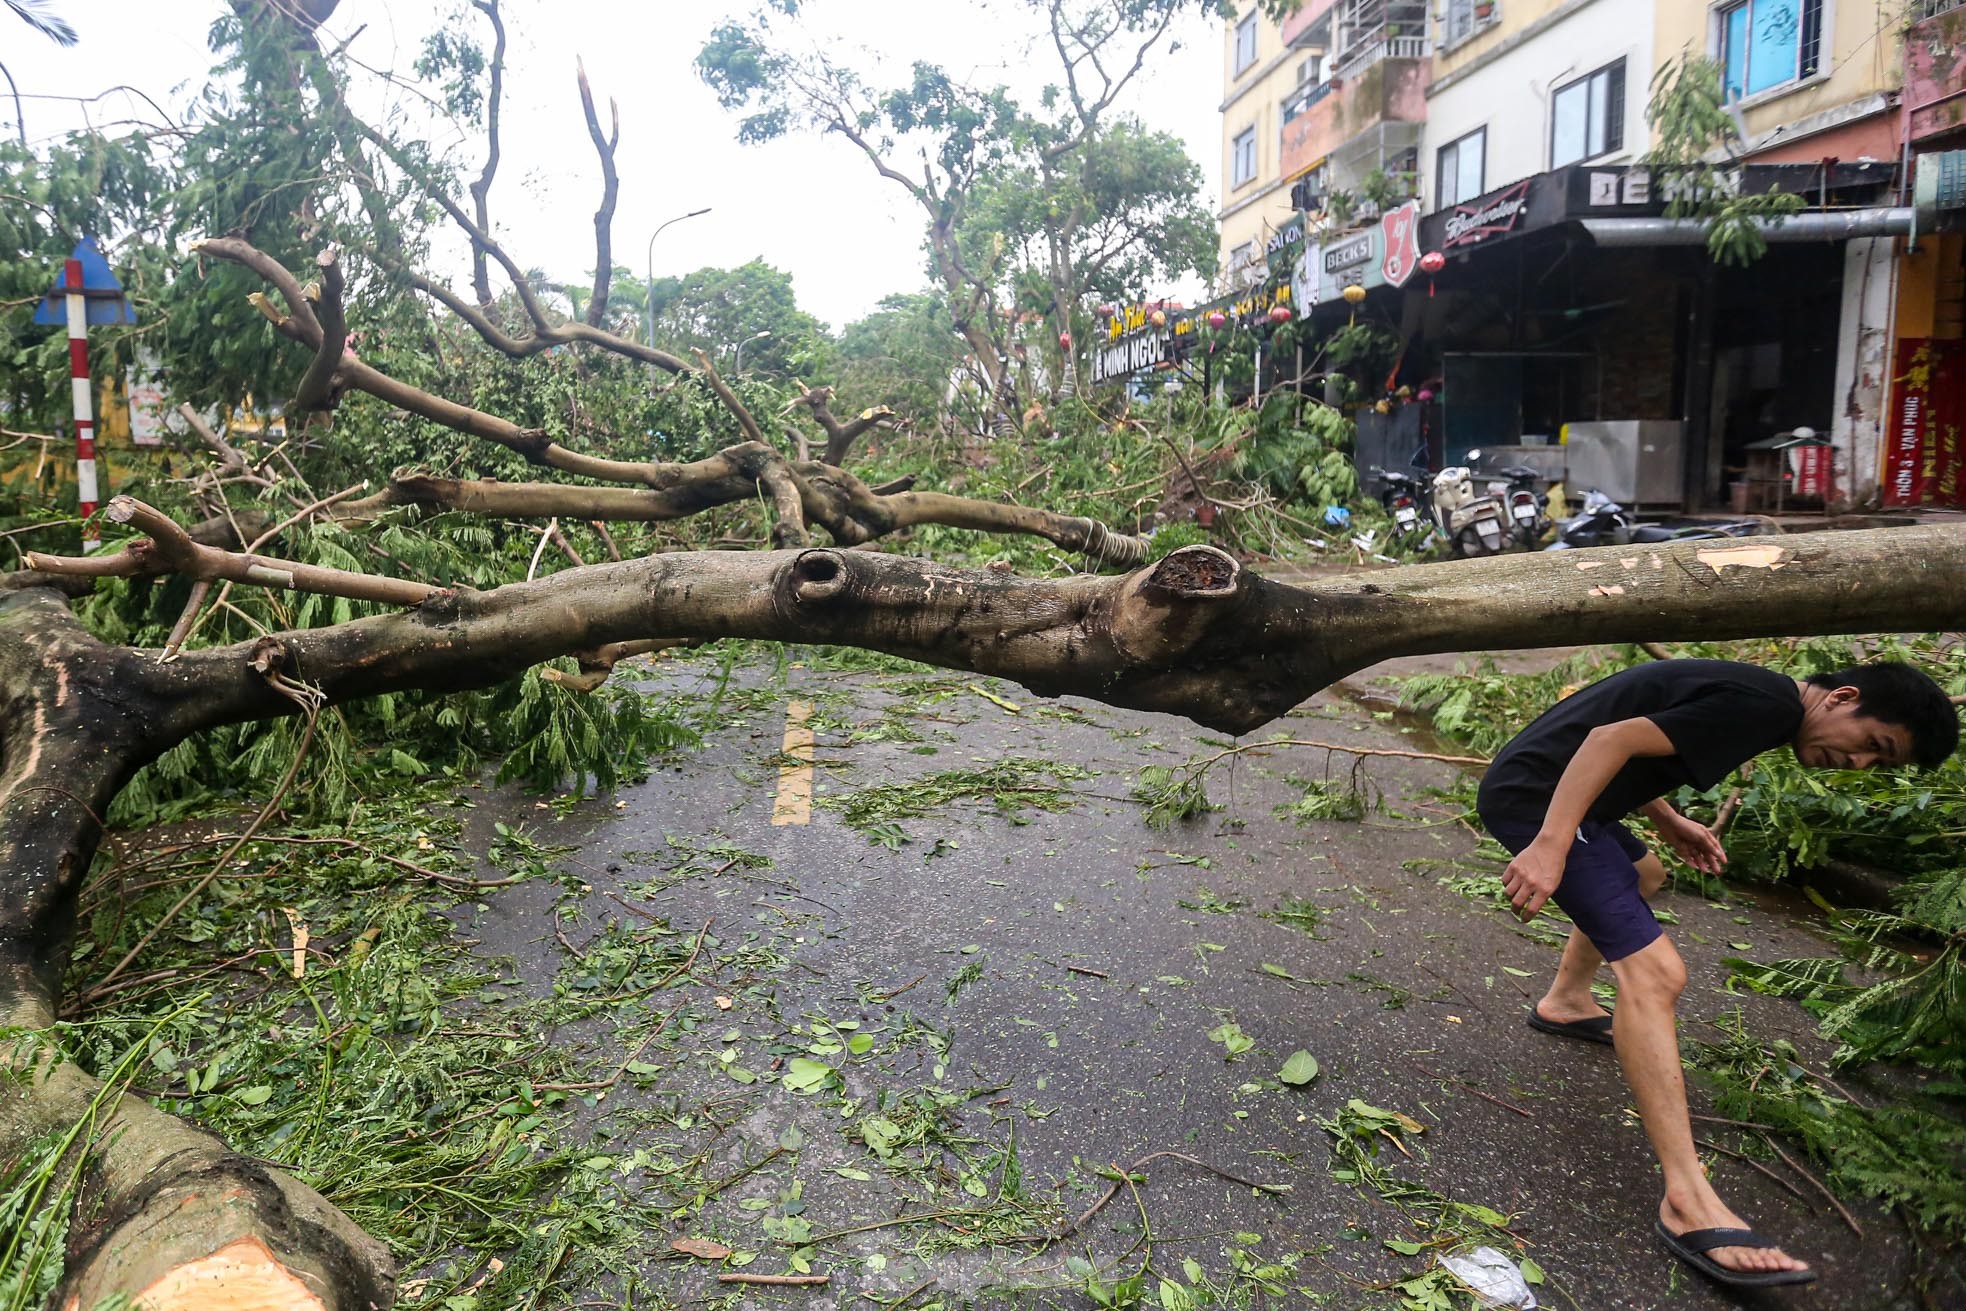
[
  {"x": 1301, "y": 100},
  {"x": 1371, "y": 47}
]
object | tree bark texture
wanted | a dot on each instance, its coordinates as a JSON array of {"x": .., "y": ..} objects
[
  {"x": 171, "y": 1211},
  {"x": 164, "y": 1211}
]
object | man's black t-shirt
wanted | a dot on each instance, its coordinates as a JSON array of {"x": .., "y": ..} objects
[{"x": 1717, "y": 714}]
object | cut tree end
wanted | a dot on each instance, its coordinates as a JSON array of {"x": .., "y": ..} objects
[
  {"x": 241, "y": 1275},
  {"x": 1197, "y": 571}
]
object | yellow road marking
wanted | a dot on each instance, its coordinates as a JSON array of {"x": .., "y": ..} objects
[{"x": 794, "y": 803}]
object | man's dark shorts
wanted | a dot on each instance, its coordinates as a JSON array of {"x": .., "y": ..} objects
[{"x": 1599, "y": 890}]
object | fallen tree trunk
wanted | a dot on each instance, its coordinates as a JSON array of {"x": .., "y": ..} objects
[{"x": 171, "y": 1212}]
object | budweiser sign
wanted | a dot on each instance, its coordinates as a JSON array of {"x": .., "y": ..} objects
[{"x": 1487, "y": 217}]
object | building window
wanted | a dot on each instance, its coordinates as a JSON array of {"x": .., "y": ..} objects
[
  {"x": 1461, "y": 19},
  {"x": 1459, "y": 169},
  {"x": 1242, "y": 159},
  {"x": 1587, "y": 117},
  {"x": 1768, "y": 43},
  {"x": 1245, "y": 44}
]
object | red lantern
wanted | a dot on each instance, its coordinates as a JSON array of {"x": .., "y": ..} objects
[
  {"x": 1065, "y": 340},
  {"x": 1431, "y": 263},
  {"x": 1279, "y": 314},
  {"x": 1217, "y": 319}
]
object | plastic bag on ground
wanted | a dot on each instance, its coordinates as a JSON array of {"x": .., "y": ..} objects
[{"x": 1493, "y": 1276}]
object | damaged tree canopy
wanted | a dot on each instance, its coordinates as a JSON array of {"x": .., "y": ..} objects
[{"x": 168, "y": 1213}]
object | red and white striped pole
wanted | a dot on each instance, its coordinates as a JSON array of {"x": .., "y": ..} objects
[{"x": 85, "y": 409}]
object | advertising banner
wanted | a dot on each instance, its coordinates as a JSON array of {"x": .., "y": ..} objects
[{"x": 1923, "y": 458}]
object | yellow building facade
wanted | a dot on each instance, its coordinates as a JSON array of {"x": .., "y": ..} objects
[
  {"x": 1259, "y": 71},
  {"x": 1813, "y": 78}
]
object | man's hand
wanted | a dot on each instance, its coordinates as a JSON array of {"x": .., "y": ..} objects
[
  {"x": 1532, "y": 876},
  {"x": 1695, "y": 843}
]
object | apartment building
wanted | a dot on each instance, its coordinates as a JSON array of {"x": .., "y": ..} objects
[
  {"x": 1575, "y": 303},
  {"x": 1260, "y": 68},
  {"x": 1521, "y": 87},
  {"x": 1320, "y": 112}
]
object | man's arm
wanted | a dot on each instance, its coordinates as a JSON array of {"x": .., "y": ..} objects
[
  {"x": 1533, "y": 875},
  {"x": 1696, "y": 844}
]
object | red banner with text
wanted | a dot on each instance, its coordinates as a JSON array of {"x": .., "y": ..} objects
[{"x": 1924, "y": 460}]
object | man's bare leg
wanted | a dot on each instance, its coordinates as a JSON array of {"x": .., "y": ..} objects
[
  {"x": 1650, "y": 981},
  {"x": 1569, "y": 997}
]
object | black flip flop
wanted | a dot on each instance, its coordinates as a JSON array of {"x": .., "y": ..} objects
[
  {"x": 1595, "y": 1029},
  {"x": 1693, "y": 1245}
]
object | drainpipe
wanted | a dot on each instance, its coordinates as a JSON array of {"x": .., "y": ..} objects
[{"x": 1814, "y": 225}]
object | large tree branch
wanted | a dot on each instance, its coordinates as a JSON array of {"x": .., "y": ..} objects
[
  {"x": 316, "y": 390},
  {"x": 840, "y": 437},
  {"x": 481, "y": 189},
  {"x": 170, "y": 549},
  {"x": 1194, "y": 635},
  {"x": 826, "y": 496},
  {"x": 597, "y": 306},
  {"x": 547, "y": 332}
]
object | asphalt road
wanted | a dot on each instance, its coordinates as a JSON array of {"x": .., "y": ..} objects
[{"x": 1048, "y": 990}]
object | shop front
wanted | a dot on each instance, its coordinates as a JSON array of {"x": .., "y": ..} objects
[{"x": 1572, "y": 312}]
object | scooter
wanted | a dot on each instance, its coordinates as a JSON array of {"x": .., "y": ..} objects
[
  {"x": 1406, "y": 500},
  {"x": 1604, "y": 522},
  {"x": 1528, "y": 508},
  {"x": 1473, "y": 525}
]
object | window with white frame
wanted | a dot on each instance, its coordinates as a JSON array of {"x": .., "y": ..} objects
[
  {"x": 1458, "y": 167},
  {"x": 1242, "y": 158},
  {"x": 1587, "y": 116},
  {"x": 1245, "y": 44},
  {"x": 1764, "y": 44},
  {"x": 1461, "y": 19}
]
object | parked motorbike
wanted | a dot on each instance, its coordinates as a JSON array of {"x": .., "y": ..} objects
[
  {"x": 1472, "y": 524},
  {"x": 1407, "y": 505},
  {"x": 1604, "y": 522},
  {"x": 1528, "y": 508}
]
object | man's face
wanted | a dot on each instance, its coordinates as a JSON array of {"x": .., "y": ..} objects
[{"x": 1836, "y": 736}]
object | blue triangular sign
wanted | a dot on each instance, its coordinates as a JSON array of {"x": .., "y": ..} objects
[{"x": 102, "y": 292}]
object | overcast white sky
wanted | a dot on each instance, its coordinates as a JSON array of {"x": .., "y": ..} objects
[{"x": 809, "y": 204}]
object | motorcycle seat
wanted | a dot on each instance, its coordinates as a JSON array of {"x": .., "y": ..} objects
[
  {"x": 1519, "y": 471},
  {"x": 1651, "y": 532}
]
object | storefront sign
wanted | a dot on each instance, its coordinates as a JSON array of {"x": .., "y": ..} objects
[
  {"x": 1490, "y": 216},
  {"x": 1304, "y": 279},
  {"x": 148, "y": 403},
  {"x": 1129, "y": 354},
  {"x": 1923, "y": 455},
  {"x": 1401, "y": 227},
  {"x": 1289, "y": 234},
  {"x": 1348, "y": 251},
  {"x": 1617, "y": 187}
]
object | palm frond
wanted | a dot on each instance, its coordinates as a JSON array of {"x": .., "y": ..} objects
[{"x": 38, "y": 15}]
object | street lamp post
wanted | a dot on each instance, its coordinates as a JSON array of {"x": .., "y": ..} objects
[
  {"x": 648, "y": 291},
  {"x": 761, "y": 333}
]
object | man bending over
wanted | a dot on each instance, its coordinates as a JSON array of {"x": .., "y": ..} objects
[{"x": 1555, "y": 795}]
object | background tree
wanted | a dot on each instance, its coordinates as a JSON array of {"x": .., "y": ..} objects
[
  {"x": 714, "y": 309},
  {"x": 963, "y": 136},
  {"x": 909, "y": 351}
]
